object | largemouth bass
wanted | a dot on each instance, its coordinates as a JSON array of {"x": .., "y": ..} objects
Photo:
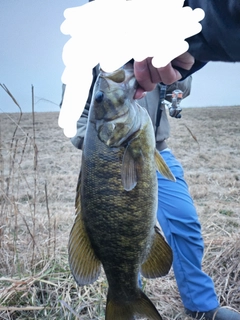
[{"x": 116, "y": 199}]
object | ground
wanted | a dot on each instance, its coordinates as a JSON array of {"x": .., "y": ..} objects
[{"x": 38, "y": 175}]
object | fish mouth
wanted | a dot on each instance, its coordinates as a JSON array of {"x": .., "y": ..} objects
[
  {"x": 117, "y": 76},
  {"x": 115, "y": 117},
  {"x": 117, "y": 88},
  {"x": 124, "y": 75}
]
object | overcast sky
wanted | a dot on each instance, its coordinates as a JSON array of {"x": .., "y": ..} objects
[{"x": 31, "y": 54}]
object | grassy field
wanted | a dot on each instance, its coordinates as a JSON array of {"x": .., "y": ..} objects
[{"x": 38, "y": 174}]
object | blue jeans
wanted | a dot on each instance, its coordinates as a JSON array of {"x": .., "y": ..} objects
[{"x": 178, "y": 219}]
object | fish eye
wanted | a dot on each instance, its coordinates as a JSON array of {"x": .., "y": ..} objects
[{"x": 99, "y": 96}]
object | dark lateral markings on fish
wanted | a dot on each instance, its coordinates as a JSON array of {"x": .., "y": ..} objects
[{"x": 116, "y": 199}]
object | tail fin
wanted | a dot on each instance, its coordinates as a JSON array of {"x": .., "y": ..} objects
[{"x": 126, "y": 310}]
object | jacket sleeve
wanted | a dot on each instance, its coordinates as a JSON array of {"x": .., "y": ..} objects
[
  {"x": 77, "y": 140},
  {"x": 219, "y": 39}
]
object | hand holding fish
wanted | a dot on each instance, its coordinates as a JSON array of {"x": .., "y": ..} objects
[{"x": 148, "y": 76}]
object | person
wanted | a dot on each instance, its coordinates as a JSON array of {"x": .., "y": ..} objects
[
  {"x": 219, "y": 40},
  {"x": 176, "y": 213}
]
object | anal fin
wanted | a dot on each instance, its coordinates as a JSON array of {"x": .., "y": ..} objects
[
  {"x": 159, "y": 259},
  {"x": 83, "y": 262}
]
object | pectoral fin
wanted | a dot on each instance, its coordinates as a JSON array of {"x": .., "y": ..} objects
[
  {"x": 159, "y": 260},
  {"x": 131, "y": 168},
  {"x": 83, "y": 263},
  {"x": 162, "y": 167}
]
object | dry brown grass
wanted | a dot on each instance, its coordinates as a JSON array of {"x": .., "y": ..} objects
[{"x": 37, "y": 210}]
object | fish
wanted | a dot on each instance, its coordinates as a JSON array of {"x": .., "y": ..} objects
[{"x": 116, "y": 199}]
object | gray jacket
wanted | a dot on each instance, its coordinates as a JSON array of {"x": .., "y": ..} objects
[{"x": 150, "y": 103}]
